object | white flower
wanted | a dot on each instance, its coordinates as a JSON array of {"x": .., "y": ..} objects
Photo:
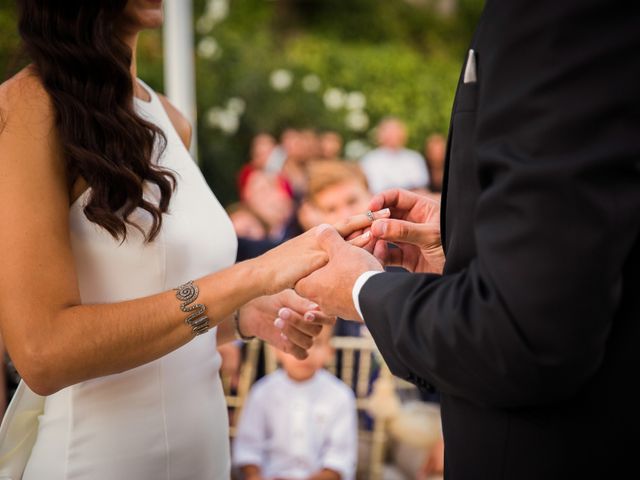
[
  {"x": 205, "y": 24},
  {"x": 357, "y": 120},
  {"x": 281, "y": 79},
  {"x": 229, "y": 123},
  {"x": 356, "y": 101},
  {"x": 225, "y": 120},
  {"x": 217, "y": 10},
  {"x": 236, "y": 105},
  {"x": 208, "y": 47},
  {"x": 334, "y": 98},
  {"x": 311, "y": 83},
  {"x": 213, "y": 116},
  {"x": 356, "y": 149}
]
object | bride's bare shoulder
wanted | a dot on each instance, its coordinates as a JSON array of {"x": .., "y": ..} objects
[
  {"x": 24, "y": 102},
  {"x": 30, "y": 153}
]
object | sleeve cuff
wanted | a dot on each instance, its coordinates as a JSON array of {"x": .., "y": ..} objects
[{"x": 355, "y": 293}]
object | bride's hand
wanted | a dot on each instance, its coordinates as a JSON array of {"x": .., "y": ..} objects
[
  {"x": 285, "y": 320},
  {"x": 281, "y": 267}
]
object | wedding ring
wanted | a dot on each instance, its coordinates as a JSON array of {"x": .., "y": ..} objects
[{"x": 370, "y": 215}]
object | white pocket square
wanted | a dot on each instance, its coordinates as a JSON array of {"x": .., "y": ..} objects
[{"x": 470, "y": 69}]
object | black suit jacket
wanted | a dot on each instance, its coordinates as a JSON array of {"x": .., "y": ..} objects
[{"x": 532, "y": 335}]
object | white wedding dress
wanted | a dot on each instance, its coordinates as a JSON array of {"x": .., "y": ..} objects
[{"x": 166, "y": 420}]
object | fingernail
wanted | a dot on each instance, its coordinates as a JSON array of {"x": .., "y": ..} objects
[
  {"x": 284, "y": 313},
  {"x": 309, "y": 317},
  {"x": 366, "y": 235},
  {"x": 385, "y": 212},
  {"x": 283, "y": 336},
  {"x": 313, "y": 306},
  {"x": 322, "y": 227},
  {"x": 278, "y": 323}
]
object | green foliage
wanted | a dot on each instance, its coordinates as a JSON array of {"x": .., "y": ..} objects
[
  {"x": 9, "y": 40},
  {"x": 404, "y": 59}
]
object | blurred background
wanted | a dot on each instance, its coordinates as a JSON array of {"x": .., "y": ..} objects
[{"x": 264, "y": 66}]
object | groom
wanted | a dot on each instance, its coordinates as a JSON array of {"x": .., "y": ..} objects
[{"x": 532, "y": 332}]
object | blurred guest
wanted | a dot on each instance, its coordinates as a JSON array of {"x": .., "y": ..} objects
[
  {"x": 391, "y": 165},
  {"x": 299, "y": 422},
  {"x": 262, "y": 146},
  {"x": 245, "y": 222},
  {"x": 311, "y": 144},
  {"x": 330, "y": 145},
  {"x": 267, "y": 195},
  {"x": 434, "y": 150},
  {"x": 434, "y": 461},
  {"x": 297, "y": 146},
  {"x": 337, "y": 190},
  {"x": 290, "y": 157}
]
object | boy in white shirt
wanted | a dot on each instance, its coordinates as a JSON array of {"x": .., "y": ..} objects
[{"x": 299, "y": 422}]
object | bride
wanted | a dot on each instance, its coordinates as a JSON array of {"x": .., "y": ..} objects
[{"x": 118, "y": 277}]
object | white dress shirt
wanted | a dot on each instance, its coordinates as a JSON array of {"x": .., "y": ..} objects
[
  {"x": 386, "y": 168},
  {"x": 294, "y": 429},
  {"x": 362, "y": 279}
]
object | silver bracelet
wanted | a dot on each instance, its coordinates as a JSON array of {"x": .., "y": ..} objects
[
  {"x": 198, "y": 321},
  {"x": 236, "y": 328}
]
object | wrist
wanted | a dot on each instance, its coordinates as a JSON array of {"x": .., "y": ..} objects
[{"x": 256, "y": 276}]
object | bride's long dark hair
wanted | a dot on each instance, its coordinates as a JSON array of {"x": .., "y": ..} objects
[{"x": 84, "y": 67}]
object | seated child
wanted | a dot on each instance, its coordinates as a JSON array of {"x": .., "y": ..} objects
[{"x": 298, "y": 422}]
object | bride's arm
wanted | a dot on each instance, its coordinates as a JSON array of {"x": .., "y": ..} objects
[{"x": 54, "y": 340}]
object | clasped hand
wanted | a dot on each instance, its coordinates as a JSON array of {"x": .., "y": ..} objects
[
  {"x": 281, "y": 317},
  {"x": 414, "y": 230},
  {"x": 324, "y": 263}
]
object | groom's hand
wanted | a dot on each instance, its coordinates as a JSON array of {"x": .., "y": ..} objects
[
  {"x": 285, "y": 320},
  {"x": 414, "y": 227},
  {"x": 331, "y": 286}
]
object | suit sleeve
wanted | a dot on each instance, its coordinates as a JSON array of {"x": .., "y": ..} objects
[{"x": 557, "y": 149}]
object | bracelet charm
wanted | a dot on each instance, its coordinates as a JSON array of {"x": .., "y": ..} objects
[{"x": 197, "y": 320}]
